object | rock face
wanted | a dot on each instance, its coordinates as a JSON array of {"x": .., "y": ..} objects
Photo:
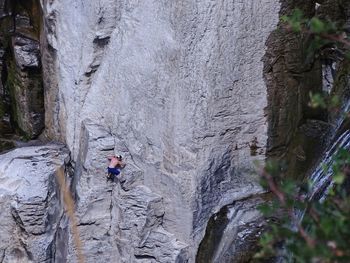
[
  {"x": 119, "y": 222},
  {"x": 232, "y": 234},
  {"x": 186, "y": 91},
  {"x": 21, "y": 89},
  {"x": 31, "y": 215},
  {"x": 297, "y": 132},
  {"x": 6, "y": 26},
  {"x": 176, "y": 87}
]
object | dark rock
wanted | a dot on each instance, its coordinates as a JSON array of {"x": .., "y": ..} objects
[
  {"x": 26, "y": 52},
  {"x": 21, "y": 89}
]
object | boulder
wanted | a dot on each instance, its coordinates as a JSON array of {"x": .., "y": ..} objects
[{"x": 31, "y": 209}]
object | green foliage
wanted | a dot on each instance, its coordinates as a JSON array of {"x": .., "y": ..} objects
[
  {"x": 323, "y": 33},
  {"x": 302, "y": 227},
  {"x": 309, "y": 230},
  {"x": 295, "y": 20},
  {"x": 317, "y": 100},
  {"x": 319, "y": 27},
  {"x": 298, "y": 23}
]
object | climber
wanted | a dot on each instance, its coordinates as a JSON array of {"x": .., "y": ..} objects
[{"x": 114, "y": 166}]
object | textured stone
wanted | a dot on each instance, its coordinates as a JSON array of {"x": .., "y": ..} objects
[
  {"x": 232, "y": 234},
  {"x": 292, "y": 71},
  {"x": 31, "y": 208},
  {"x": 26, "y": 86},
  {"x": 118, "y": 222},
  {"x": 21, "y": 79},
  {"x": 6, "y": 129},
  {"x": 179, "y": 88},
  {"x": 26, "y": 52}
]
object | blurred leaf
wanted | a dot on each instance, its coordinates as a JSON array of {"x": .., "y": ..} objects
[
  {"x": 317, "y": 26},
  {"x": 339, "y": 178},
  {"x": 317, "y": 100},
  {"x": 335, "y": 101},
  {"x": 347, "y": 55},
  {"x": 295, "y": 20},
  {"x": 266, "y": 209},
  {"x": 327, "y": 222}
]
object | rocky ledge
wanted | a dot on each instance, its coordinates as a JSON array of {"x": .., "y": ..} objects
[{"x": 32, "y": 213}]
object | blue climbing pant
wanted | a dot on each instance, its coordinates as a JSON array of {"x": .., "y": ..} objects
[{"x": 114, "y": 171}]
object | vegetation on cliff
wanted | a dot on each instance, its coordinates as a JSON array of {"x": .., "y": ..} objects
[{"x": 309, "y": 220}]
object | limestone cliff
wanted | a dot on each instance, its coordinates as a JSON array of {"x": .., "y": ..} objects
[
  {"x": 192, "y": 93},
  {"x": 176, "y": 87}
]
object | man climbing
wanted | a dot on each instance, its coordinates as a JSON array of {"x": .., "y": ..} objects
[{"x": 114, "y": 166}]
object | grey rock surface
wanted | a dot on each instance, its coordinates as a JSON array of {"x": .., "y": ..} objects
[
  {"x": 175, "y": 86},
  {"x": 30, "y": 203},
  {"x": 233, "y": 232},
  {"x": 118, "y": 221}
]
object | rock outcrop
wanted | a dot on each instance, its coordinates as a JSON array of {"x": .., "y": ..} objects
[
  {"x": 6, "y": 129},
  {"x": 298, "y": 132},
  {"x": 233, "y": 232},
  {"x": 21, "y": 89},
  {"x": 31, "y": 217},
  {"x": 119, "y": 221}
]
